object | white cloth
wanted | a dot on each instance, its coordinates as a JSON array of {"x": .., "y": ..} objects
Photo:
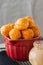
[{"x": 11, "y": 10}]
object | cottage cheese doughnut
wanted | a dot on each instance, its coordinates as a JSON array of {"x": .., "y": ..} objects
[
  {"x": 30, "y": 20},
  {"x": 14, "y": 34},
  {"x": 21, "y": 24},
  {"x": 6, "y": 28},
  {"x": 28, "y": 34},
  {"x": 36, "y": 31},
  {"x": 11, "y": 25}
]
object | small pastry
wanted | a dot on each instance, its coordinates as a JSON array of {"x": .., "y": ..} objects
[
  {"x": 6, "y": 28},
  {"x": 21, "y": 24},
  {"x": 30, "y": 20},
  {"x": 14, "y": 34},
  {"x": 36, "y": 31},
  {"x": 28, "y": 34},
  {"x": 11, "y": 25}
]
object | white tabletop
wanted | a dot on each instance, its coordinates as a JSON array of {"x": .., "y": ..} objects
[{"x": 2, "y": 45}]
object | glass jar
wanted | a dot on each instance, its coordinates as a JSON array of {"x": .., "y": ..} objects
[{"x": 36, "y": 53}]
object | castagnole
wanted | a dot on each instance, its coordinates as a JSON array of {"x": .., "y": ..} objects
[
  {"x": 23, "y": 28},
  {"x": 14, "y": 34},
  {"x": 36, "y": 31},
  {"x": 6, "y": 28},
  {"x": 21, "y": 24},
  {"x": 30, "y": 21},
  {"x": 28, "y": 34}
]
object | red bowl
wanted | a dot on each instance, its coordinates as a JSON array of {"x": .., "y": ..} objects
[{"x": 19, "y": 49}]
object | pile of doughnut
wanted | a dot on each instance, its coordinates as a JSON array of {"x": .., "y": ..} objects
[{"x": 23, "y": 28}]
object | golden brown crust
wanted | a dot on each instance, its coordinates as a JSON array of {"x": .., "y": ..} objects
[
  {"x": 14, "y": 34},
  {"x": 28, "y": 34},
  {"x": 21, "y": 24},
  {"x": 36, "y": 31},
  {"x": 30, "y": 20},
  {"x": 23, "y": 28},
  {"x": 6, "y": 28}
]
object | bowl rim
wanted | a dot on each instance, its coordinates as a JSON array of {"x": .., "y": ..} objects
[{"x": 22, "y": 39}]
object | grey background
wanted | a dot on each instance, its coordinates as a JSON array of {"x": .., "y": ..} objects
[{"x": 11, "y": 10}]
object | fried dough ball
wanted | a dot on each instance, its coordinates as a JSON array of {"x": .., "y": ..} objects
[
  {"x": 11, "y": 25},
  {"x": 30, "y": 20},
  {"x": 36, "y": 31},
  {"x": 27, "y": 34},
  {"x": 14, "y": 34},
  {"x": 6, "y": 28},
  {"x": 21, "y": 24}
]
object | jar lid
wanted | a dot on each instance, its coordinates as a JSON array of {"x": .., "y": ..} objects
[{"x": 38, "y": 44}]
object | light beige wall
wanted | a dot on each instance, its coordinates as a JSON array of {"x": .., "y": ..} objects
[
  {"x": 11, "y": 10},
  {"x": 38, "y": 13}
]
